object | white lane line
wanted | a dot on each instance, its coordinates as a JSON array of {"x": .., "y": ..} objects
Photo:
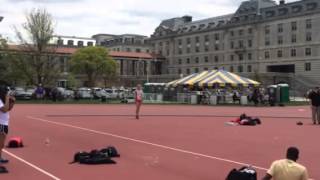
[
  {"x": 31, "y": 165},
  {"x": 148, "y": 143}
]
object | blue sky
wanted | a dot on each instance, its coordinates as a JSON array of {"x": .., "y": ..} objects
[{"x": 88, "y": 17}]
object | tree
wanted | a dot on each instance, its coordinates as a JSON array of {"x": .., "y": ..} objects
[
  {"x": 33, "y": 59},
  {"x": 109, "y": 72},
  {"x": 3, "y": 62},
  {"x": 94, "y": 62}
]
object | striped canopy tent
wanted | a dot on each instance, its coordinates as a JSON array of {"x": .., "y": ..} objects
[{"x": 214, "y": 78}]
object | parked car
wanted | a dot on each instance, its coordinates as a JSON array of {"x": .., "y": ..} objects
[
  {"x": 21, "y": 93},
  {"x": 99, "y": 93},
  {"x": 112, "y": 93},
  {"x": 84, "y": 93}
]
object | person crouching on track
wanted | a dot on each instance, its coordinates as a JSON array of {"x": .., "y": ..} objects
[
  {"x": 5, "y": 107},
  {"x": 138, "y": 99}
]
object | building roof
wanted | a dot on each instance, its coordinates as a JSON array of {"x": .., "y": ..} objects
[
  {"x": 73, "y": 37},
  {"x": 115, "y": 54}
]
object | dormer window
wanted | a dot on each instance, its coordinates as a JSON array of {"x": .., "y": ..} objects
[
  {"x": 270, "y": 13},
  {"x": 283, "y": 11},
  {"x": 312, "y": 6},
  {"x": 70, "y": 43},
  {"x": 296, "y": 9}
]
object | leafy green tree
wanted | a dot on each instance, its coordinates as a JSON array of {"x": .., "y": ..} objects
[
  {"x": 34, "y": 58},
  {"x": 94, "y": 62}
]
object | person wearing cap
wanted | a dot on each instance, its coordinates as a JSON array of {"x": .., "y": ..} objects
[
  {"x": 314, "y": 96},
  {"x": 287, "y": 169}
]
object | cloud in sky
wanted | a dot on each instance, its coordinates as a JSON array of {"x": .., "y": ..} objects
[{"x": 88, "y": 17}]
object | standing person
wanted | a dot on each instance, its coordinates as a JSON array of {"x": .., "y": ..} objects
[
  {"x": 255, "y": 97},
  {"x": 138, "y": 99},
  {"x": 5, "y": 99},
  {"x": 314, "y": 96},
  {"x": 40, "y": 92},
  {"x": 287, "y": 169}
]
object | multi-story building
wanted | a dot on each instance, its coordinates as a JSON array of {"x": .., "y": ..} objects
[
  {"x": 262, "y": 39},
  {"x": 133, "y": 67},
  {"x": 124, "y": 43},
  {"x": 72, "y": 41}
]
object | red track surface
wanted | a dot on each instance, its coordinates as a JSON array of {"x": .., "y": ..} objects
[{"x": 156, "y": 147}]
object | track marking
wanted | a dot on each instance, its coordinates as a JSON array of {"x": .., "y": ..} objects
[
  {"x": 31, "y": 165},
  {"x": 145, "y": 142},
  {"x": 173, "y": 115}
]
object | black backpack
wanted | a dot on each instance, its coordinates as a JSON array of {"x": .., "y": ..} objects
[
  {"x": 110, "y": 151},
  {"x": 94, "y": 157},
  {"x": 244, "y": 173}
]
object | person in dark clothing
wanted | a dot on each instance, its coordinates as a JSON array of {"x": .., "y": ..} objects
[
  {"x": 255, "y": 97},
  {"x": 314, "y": 96}
]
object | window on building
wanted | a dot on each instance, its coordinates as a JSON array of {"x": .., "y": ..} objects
[
  {"x": 267, "y": 55},
  {"x": 240, "y": 68},
  {"x": 196, "y": 60},
  {"x": 206, "y": 48},
  {"x": 308, "y": 24},
  {"x": 188, "y": 50},
  {"x": 70, "y": 42},
  {"x": 293, "y": 52},
  {"x": 197, "y": 49},
  {"x": 240, "y": 32},
  {"x": 206, "y": 38},
  {"x": 309, "y": 36},
  {"x": 216, "y": 47},
  {"x": 179, "y": 71},
  {"x": 231, "y": 57},
  {"x": 308, "y": 52},
  {"x": 216, "y": 59},
  {"x": 307, "y": 66},
  {"x": 179, "y": 61},
  {"x": 267, "y": 29},
  {"x": 60, "y": 42},
  {"x": 293, "y": 38},
  {"x": 279, "y": 53},
  {"x": 205, "y": 69},
  {"x": 188, "y": 60},
  {"x": 280, "y": 28},
  {"x": 180, "y": 51},
  {"x": 250, "y": 31},
  {"x": 267, "y": 42},
  {"x": 179, "y": 42},
  {"x": 231, "y": 45},
  {"x": 231, "y": 33},
  {"x": 138, "y": 50},
  {"x": 231, "y": 69},
  {"x": 216, "y": 37},
  {"x": 206, "y": 59},
  {"x": 129, "y": 50},
  {"x": 62, "y": 64},
  {"x": 249, "y": 43},
  {"x": 280, "y": 40},
  {"x": 197, "y": 39},
  {"x": 240, "y": 44},
  {"x": 196, "y": 70},
  {"x": 249, "y": 68},
  {"x": 240, "y": 57},
  {"x": 188, "y": 41},
  {"x": 89, "y": 43},
  {"x": 249, "y": 56},
  {"x": 293, "y": 26},
  {"x": 188, "y": 71}
]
